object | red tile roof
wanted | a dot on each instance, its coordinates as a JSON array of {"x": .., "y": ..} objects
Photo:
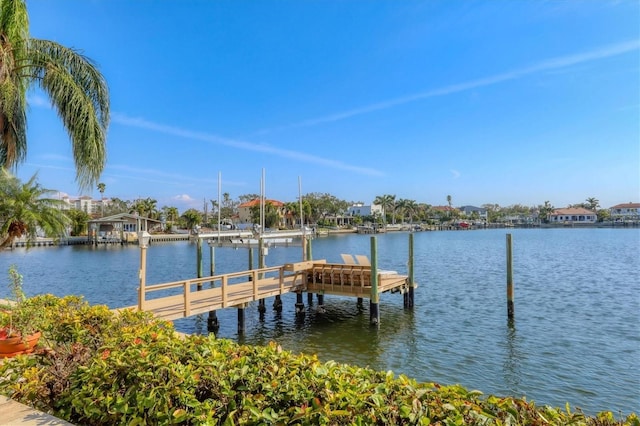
[
  {"x": 256, "y": 202},
  {"x": 573, "y": 211},
  {"x": 627, "y": 206}
]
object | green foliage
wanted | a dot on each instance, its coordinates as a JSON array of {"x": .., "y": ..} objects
[
  {"x": 25, "y": 209},
  {"x": 145, "y": 207},
  {"x": 79, "y": 221},
  {"x": 190, "y": 218},
  {"x": 271, "y": 216},
  {"x": 22, "y": 316},
  {"x": 78, "y": 93},
  {"x": 104, "y": 368}
]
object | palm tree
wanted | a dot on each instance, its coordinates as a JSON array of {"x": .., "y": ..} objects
[
  {"x": 24, "y": 210},
  {"x": 78, "y": 221},
  {"x": 75, "y": 87},
  {"x": 101, "y": 188},
  {"x": 145, "y": 207},
  {"x": 191, "y": 218},
  {"x": 408, "y": 208},
  {"x": 593, "y": 203},
  {"x": 388, "y": 202},
  {"x": 544, "y": 211},
  {"x": 170, "y": 213}
]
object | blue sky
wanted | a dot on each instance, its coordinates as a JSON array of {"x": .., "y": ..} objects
[{"x": 502, "y": 102}]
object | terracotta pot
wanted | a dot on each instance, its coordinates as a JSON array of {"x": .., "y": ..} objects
[{"x": 16, "y": 345}]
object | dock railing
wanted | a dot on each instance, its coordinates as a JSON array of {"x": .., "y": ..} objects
[
  {"x": 225, "y": 290},
  {"x": 179, "y": 299}
]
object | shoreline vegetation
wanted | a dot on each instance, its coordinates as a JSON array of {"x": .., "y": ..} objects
[
  {"x": 100, "y": 367},
  {"x": 319, "y": 232}
]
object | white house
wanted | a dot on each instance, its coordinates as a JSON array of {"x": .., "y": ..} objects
[
  {"x": 573, "y": 215},
  {"x": 360, "y": 209},
  {"x": 468, "y": 211},
  {"x": 625, "y": 211}
]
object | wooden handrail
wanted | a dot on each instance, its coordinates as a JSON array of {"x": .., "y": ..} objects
[{"x": 228, "y": 290}]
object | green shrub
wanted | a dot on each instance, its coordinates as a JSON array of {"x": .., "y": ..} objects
[{"x": 97, "y": 367}]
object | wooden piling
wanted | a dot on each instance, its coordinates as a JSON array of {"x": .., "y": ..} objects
[
  {"x": 510, "y": 307},
  {"x": 212, "y": 319},
  {"x": 241, "y": 320},
  {"x": 374, "y": 313},
  {"x": 199, "y": 260},
  {"x": 308, "y": 254},
  {"x": 408, "y": 296},
  {"x": 299, "y": 304}
]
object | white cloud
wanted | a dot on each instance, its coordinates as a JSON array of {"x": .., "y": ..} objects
[
  {"x": 455, "y": 173},
  {"x": 182, "y": 198}
]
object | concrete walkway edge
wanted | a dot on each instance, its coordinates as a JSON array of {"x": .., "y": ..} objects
[{"x": 15, "y": 413}]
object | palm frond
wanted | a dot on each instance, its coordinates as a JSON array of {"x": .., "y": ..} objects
[
  {"x": 14, "y": 20},
  {"x": 80, "y": 95}
]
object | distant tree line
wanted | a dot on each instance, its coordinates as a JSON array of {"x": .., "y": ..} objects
[{"x": 27, "y": 208}]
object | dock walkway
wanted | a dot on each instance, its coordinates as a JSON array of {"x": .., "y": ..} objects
[{"x": 179, "y": 299}]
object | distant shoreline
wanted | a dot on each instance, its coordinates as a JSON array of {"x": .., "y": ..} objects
[{"x": 84, "y": 240}]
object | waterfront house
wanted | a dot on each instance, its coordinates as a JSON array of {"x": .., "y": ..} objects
[
  {"x": 473, "y": 212},
  {"x": 122, "y": 226},
  {"x": 573, "y": 215},
  {"x": 244, "y": 210},
  {"x": 359, "y": 209},
  {"x": 443, "y": 213},
  {"x": 626, "y": 211}
]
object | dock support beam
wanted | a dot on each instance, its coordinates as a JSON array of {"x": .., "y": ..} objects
[
  {"x": 277, "y": 304},
  {"x": 299, "y": 304},
  {"x": 241, "y": 320},
  {"x": 374, "y": 313},
  {"x": 321, "y": 308},
  {"x": 510, "y": 307},
  {"x": 408, "y": 295}
]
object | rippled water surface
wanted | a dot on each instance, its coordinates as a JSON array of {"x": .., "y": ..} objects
[{"x": 576, "y": 336}]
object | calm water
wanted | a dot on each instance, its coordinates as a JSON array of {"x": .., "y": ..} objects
[{"x": 576, "y": 337}]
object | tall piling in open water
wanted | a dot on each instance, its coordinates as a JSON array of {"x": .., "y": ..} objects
[{"x": 510, "y": 307}]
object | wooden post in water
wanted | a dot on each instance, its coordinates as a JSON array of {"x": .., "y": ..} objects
[
  {"x": 241, "y": 319},
  {"x": 299, "y": 304},
  {"x": 199, "y": 260},
  {"x": 408, "y": 296},
  {"x": 307, "y": 242},
  {"x": 510, "y": 309},
  {"x": 374, "y": 313},
  {"x": 212, "y": 320}
]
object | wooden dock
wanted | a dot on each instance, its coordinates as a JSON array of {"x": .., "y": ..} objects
[{"x": 189, "y": 297}]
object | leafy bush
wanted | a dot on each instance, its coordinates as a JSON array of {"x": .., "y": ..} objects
[{"x": 98, "y": 367}]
